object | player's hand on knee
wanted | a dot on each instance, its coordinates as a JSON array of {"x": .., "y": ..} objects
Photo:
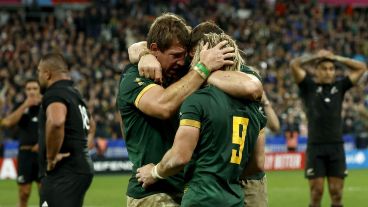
[
  {"x": 144, "y": 175},
  {"x": 150, "y": 68},
  {"x": 218, "y": 56}
]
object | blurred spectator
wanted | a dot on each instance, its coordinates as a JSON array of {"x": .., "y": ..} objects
[{"x": 291, "y": 132}]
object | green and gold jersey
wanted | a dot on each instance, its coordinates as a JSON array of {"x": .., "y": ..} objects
[
  {"x": 248, "y": 70},
  {"x": 229, "y": 129},
  {"x": 147, "y": 138}
]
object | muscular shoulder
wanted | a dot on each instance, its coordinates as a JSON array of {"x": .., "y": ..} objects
[
  {"x": 54, "y": 94},
  {"x": 132, "y": 85}
]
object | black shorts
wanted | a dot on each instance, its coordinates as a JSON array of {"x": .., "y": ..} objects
[
  {"x": 325, "y": 160},
  {"x": 64, "y": 189},
  {"x": 27, "y": 167}
]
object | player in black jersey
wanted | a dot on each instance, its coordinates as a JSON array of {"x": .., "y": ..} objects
[
  {"x": 65, "y": 166},
  {"x": 323, "y": 96},
  {"x": 26, "y": 118}
]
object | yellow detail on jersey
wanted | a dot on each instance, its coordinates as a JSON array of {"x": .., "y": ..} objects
[
  {"x": 145, "y": 89},
  {"x": 137, "y": 80},
  {"x": 186, "y": 186},
  {"x": 189, "y": 122},
  {"x": 238, "y": 138}
]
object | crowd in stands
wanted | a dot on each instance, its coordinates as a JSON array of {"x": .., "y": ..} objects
[{"x": 95, "y": 40}]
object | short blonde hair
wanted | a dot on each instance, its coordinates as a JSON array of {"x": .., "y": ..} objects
[{"x": 213, "y": 39}]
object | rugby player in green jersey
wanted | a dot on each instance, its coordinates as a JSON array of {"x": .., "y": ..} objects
[
  {"x": 253, "y": 180},
  {"x": 215, "y": 139},
  {"x": 148, "y": 109}
]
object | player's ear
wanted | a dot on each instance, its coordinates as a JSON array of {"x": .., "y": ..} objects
[
  {"x": 48, "y": 74},
  {"x": 154, "y": 48}
]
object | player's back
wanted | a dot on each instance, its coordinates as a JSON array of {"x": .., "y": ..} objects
[{"x": 228, "y": 131}]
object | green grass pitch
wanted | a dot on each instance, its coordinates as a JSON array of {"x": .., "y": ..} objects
[{"x": 284, "y": 188}]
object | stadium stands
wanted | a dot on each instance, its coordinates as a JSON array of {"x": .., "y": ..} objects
[{"x": 95, "y": 38}]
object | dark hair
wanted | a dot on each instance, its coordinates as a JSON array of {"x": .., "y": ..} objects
[
  {"x": 200, "y": 30},
  {"x": 56, "y": 61},
  {"x": 31, "y": 80},
  {"x": 322, "y": 60},
  {"x": 166, "y": 29}
]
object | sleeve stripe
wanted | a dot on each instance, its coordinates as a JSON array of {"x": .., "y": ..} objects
[
  {"x": 145, "y": 89},
  {"x": 189, "y": 122}
]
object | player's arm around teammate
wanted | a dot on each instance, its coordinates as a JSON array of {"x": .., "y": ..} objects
[
  {"x": 235, "y": 83},
  {"x": 162, "y": 102}
]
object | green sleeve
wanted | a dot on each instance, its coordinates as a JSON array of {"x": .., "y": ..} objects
[
  {"x": 248, "y": 70},
  {"x": 132, "y": 86},
  {"x": 191, "y": 112},
  {"x": 263, "y": 120},
  {"x": 261, "y": 115}
]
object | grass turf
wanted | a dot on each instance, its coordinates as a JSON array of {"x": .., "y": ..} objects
[{"x": 285, "y": 189}]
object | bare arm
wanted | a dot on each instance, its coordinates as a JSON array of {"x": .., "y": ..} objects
[
  {"x": 297, "y": 63},
  {"x": 179, "y": 155},
  {"x": 175, "y": 159},
  {"x": 272, "y": 120},
  {"x": 357, "y": 68},
  {"x": 163, "y": 103},
  {"x": 256, "y": 164},
  {"x": 55, "y": 123},
  {"x": 297, "y": 69},
  {"x": 148, "y": 65},
  {"x": 135, "y": 50},
  {"x": 91, "y": 133},
  {"x": 16, "y": 115},
  {"x": 237, "y": 84}
]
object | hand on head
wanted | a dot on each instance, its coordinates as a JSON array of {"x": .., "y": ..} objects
[
  {"x": 325, "y": 54},
  {"x": 218, "y": 56},
  {"x": 150, "y": 67}
]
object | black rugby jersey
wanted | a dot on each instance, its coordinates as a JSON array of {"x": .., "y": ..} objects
[
  {"x": 323, "y": 105},
  {"x": 76, "y": 129}
]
